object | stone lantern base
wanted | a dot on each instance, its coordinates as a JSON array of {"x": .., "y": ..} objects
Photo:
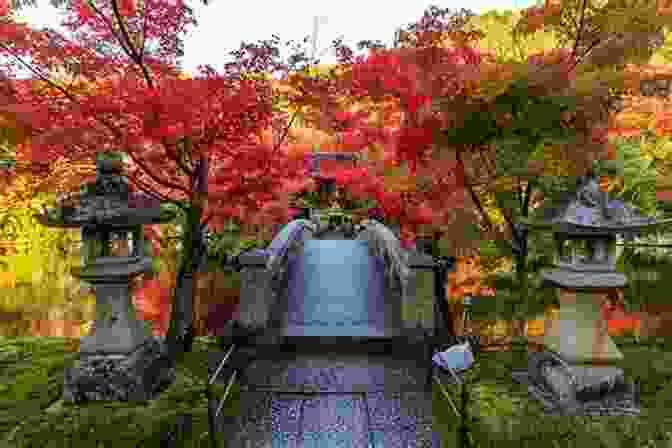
[
  {"x": 571, "y": 390},
  {"x": 578, "y": 368},
  {"x": 139, "y": 375}
]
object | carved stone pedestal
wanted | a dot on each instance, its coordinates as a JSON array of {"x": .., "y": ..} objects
[
  {"x": 578, "y": 366},
  {"x": 139, "y": 375}
]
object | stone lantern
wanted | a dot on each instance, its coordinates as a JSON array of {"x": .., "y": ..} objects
[
  {"x": 119, "y": 359},
  {"x": 579, "y": 363}
]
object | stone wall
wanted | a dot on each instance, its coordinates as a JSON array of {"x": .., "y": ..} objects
[
  {"x": 263, "y": 277},
  {"x": 418, "y": 299},
  {"x": 256, "y": 293}
]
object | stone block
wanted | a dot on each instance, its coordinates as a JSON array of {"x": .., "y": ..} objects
[
  {"x": 417, "y": 301},
  {"x": 256, "y": 298},
  {"x": 139, "y": 375},
  {"x": 579, "y": 334}
]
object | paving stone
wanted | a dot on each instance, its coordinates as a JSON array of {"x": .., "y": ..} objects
[
  {"x": 335, "y": 420},
  {"x": 391, "y": 411},
  {"x": 404, "y": 438},
  {"x": 336, "y": 374},
  {"x": 286, "y": 420}
]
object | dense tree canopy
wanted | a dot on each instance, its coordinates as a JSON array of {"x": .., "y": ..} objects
[{"x": 466, "y": 117}]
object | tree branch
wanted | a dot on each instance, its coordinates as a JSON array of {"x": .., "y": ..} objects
[
  {"x": 154, "y": 195},
  {"x": 136, "y": 57},
  {"x": 519, "y": 192},
  {"x": 177, "y": 154},
  {"x": 279, "y": 143},
  {"x": 144, "y": 32},
  {"x": 528, "y": 194},
  {"x": 472, "y": 194},
  {"x": 579, "y": 29},
  {"x": 166, "y": 183}
]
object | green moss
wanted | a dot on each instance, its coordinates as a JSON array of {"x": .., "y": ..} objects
[
  {"x": 504, "y": 415},
  {"x": 500, "y": 410}
]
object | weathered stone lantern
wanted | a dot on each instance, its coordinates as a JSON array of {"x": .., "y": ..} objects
[
  {"x": 580, "y": 361},
  {"x": 120, "y": 359}
]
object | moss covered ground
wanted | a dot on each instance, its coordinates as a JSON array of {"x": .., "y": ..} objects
[{"x": 500, "y": 412}]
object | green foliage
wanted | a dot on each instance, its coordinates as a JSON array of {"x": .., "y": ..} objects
[
  {"x": 639, "y": 175},
  {"x": 169, "y": 210},
  {"x": 635, "y": 263},
  {"x": 247, "y": 244},
  {"x": 229, "y": 243},
  {"x": 493, "y": 253},
  {"x": 307, "y": 199},
  {"x": 508, "y": 304},
  {"x": 533, "y": 121},
  {"x": 477, "y": 128}
]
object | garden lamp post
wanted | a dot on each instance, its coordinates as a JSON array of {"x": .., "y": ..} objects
[
  {"x": 580, "y": 360},
  {"x": 119, "y": 359}
]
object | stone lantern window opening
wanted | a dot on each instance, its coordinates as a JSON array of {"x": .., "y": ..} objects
[
  {"x": 112, "y": 243},
  {"x": 121, "y": 244},
  {"x": 574, "y": 251}
]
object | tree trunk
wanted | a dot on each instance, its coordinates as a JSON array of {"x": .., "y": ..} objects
[
  {"x": 181, "y": 330},
  {"x": 518, "y": 325}
]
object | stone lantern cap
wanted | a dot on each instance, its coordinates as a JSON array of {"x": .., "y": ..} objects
[
  {"x": 106, "y": 202},
  {"x": 589, "y": 213}
]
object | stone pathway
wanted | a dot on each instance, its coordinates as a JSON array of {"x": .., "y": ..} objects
[{"x": 332, "y": 401}]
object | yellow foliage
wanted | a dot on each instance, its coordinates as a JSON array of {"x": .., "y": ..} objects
[
  {"x": 500, "y": 40},
  {"x": 505, "y": 183},
  {"x": 555, "y": 164},
  {"x": 494, "y": 213},
  {"x": 662, "y": 150},
  {"x": 494, "y": 79},
  {"x": 633, "y": 120}
]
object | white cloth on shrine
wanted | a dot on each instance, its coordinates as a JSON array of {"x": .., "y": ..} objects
[
  {"x": 384, "y": 244},
  {"x": 289, "y": 235},
  {"x": 458, "y": 357}
]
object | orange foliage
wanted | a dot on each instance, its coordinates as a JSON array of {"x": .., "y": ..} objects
[
  {"x": 467, "y": 280},
  {"x": 640, "y": 112},
  {"x": 153, "y": 301}
]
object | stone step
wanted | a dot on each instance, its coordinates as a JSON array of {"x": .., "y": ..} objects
[
  {"x": 374, "y": 420},
  {"x": 334, "y": 373},
  {"x": 346, "y": 345}
]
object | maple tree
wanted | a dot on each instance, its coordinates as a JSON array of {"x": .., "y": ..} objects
[
  {"x": 509, "y": 127},
  {"x": 425, "y": 104},
  {"x": 194, "y": 143},
  {"x": 367, "y": 113},
  {"x": 595, "y": 55}
]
